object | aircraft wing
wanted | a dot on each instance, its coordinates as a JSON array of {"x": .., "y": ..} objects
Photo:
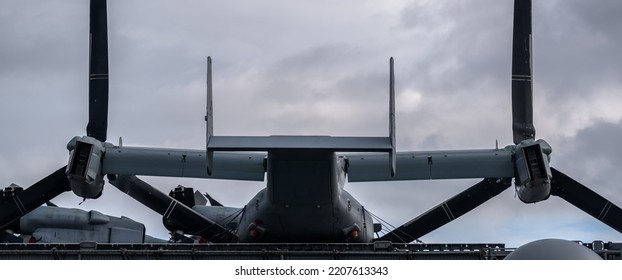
[
  {"x": 362, "y": 167},
  {"x": 424, "y": 165},
  {"x": 183, "y": 163}
]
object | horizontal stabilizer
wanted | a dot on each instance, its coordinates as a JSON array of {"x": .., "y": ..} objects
[
  {"x": 270, "y": 143},
  {"x": 304, "y": 143}
]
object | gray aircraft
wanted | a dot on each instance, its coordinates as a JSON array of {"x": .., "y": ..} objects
[
  {"x": 53, "y": 224},
  {"x": 304, "y": 199}
]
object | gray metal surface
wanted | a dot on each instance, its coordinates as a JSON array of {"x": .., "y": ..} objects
[
  {"x": 269, "y": 143},
  {"x": 369, "y": 251},
  {"x": 425, "y": 165},
  {"x": 339, "y": 251},
  {"x": 183, "y": 163},
  {"x": 553, "y": 249}
]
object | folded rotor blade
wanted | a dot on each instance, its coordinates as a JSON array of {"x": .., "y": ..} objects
[
  {"x": 98, "y": 72},
  {"x": 447, "y": 211},
  {"x": 20, "y": 203},
  {"x": 522, "y": 88},
  {"x": 587, "y": 200},
  {"x": 187, "y": 218}
]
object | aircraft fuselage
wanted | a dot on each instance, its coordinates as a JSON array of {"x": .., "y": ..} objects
[{"x": 304, "y": 201}]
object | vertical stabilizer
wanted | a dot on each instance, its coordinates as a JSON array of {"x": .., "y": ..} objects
[
  {"x": 209, "y": 118},
  {"x": 392, "y": 116},
  {"x": 293, "y": 143}
]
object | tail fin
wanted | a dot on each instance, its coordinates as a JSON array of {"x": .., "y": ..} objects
[
  {"x": 209, "y": 118},
  {"x": 392, "y": 116},
  {"x": 270, "y": 143}
]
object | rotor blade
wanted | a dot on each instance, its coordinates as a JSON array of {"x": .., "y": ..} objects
[
  {"x": 447, "y": 211},
  {"x": 522, "y": 87},
  {"x": 187, "y": 218},
  {"x": 585, "y": 199},
  {"x": 98, "y": 72},
  {"x": 17, "y": 204}
]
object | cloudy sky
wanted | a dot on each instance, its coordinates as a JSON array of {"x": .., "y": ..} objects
[{"x": 321, "y": 67}]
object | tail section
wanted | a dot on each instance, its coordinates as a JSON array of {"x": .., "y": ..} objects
[{"x": 309, "y": 143}]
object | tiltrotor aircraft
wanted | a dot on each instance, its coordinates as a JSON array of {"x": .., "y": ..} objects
[{"x": 304, "y": 199}]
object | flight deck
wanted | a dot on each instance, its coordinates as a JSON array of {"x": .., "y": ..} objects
[{"x": 285, "y": 251}]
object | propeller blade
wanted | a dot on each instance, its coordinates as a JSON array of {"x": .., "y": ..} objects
[
  {"x": 585, "y": 199},
  {"x": 98, "y": 72},
  {"x": 180, "y": 214},
  {"x": 522, "y": 87},
  {"x": 447, "y": 211},
  {"x": 14, "y": 205}
]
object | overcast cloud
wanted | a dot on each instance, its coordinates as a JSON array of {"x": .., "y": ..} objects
[{"x": 321, "y": 67}]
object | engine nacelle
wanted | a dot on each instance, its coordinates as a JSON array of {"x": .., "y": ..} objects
[
  {"x": 533, "y": 174},
  {"x": 84, "y": 167}
]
